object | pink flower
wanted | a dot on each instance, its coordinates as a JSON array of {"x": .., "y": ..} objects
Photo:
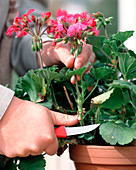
[
  {"x": 17, "y": 20},
  {"x": 21, "y": 33},
  {"x": 84, "y": 15},
  {"x": 76, "y": 28},
  {"x": 96, "y": 31},
  {"x": 11, "y": 29},
  {"x": 60, "y": 27},
  {"x": 25, "y": 16},
  {"x": 92, "y": 22},
  {"x": 70, "y": 19},
  {"x": 53, "y": 43},
  {"x": 46, "y": 15},
  {"x": 71, "y": 30},
  {"x": 80, "y": 27},
  {"x": 61, "y": 13},
  {"x": 33, "y": 18}
]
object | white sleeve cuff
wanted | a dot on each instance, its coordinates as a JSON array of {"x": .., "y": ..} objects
[{"x": 6, "y": 96}]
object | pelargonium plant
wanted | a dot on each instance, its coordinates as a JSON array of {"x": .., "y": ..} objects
[{"x": 112, "y": 78}]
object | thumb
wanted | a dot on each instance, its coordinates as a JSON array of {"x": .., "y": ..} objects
[{"x": 63, "y": 119}]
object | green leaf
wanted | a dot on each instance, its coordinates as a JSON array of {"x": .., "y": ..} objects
[
  {"x": 88, "y": 80},
  {"x": 123, "y": 84},
  {"x": 64, "y": 74},
  {"x": 102, "y": 97},
  {"x": 112, "y": 99},
  {"x": 131, "y": 75},
  {"x": 34, "y": 86},
  {"x": 114, "y": 133},
  {"x": 86, "y": 136},
  {"x": 101, "y": 72},
  {"x": 127, "y": 64},
  {"x": 49, "y": 74},
  {"x": 78, "y": 71},
  {"x": 47, "y": 102},
  {"x": 115, "y": 100},
  {"x": 32, "y": 163},
  {"x": 134, "y": 126},
  {"x": 123, "y": 36},
  {"x": 96, "y": 41},
  {"x": 132, "y": 53}
]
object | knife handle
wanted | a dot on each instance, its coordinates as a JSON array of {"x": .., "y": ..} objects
[{"x": 60, "y": 132}]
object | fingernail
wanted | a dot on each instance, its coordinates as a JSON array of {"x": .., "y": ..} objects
[{"x": 77, "y": 65}]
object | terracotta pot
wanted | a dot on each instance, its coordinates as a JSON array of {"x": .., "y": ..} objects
[{"x": 92, "y": 157}]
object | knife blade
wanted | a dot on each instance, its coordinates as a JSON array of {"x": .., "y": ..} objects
[{"x": 63, "y": 132}]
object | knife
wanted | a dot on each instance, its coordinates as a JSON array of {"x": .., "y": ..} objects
[{"x": 63, "y": 132}]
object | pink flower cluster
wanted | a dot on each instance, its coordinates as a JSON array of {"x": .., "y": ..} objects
[
  {"x": 71, "y": 25},
  {"x": 21, "y": 24}
]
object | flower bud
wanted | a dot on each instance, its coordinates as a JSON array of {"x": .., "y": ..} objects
[
  {"x": 91, "y": 33},
  {"x": 26, "y": 29},
  {"x": 100, "y": 19},
  {"x": 35, "y": 46},
  {"x": 99, "y": 25},
  {"x": 50, "y": 36},
  {"x": 38, "y": 45},
  {"x": 58, "y": 40},
  {"x": 33, "y": 18},
  {"x": 53, "y": 43},
  {"x": 108, "y": 20},
  {"x": 99, "y": 14},
  {"x": 46, "y": 15},
  {"x": 65, "y": 40},
  {"x": 95, "y": 15},
  {"x": 71, "y": 50},
  {"x": 33, "y": 49}
]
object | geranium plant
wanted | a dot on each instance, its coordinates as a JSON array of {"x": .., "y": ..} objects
[{"x": 112, "y": 100}]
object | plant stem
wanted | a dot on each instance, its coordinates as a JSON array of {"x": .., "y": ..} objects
[
  {"x": 79, "y": 101},
  {"x": 79, "y": 104},
  {"x": 97, "y": 115},
  {"x": 32, "y": 31},
  {"x": 59, "y": 108},
  {"x": 69, "y": 101},
  {"x": 43, "y": 32},
  {"x": 80, "y": 110},
  {"x": 40, "y": 59},
  {"x": 105, "y": 32},
  {"x": 106, "y": 55},
  {"x": 92, "y": 91}
]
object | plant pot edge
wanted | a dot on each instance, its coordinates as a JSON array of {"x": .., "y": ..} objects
[{"x": 103, "y": 155}]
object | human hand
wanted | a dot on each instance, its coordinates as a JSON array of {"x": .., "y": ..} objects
[
  {"x": 28, "y": 128},
  {"x": 60, "y": 53}
]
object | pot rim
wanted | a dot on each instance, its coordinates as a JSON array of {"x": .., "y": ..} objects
[{"x": 95, "y": 154}]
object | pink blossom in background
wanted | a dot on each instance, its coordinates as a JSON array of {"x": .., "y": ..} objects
[
  {"x": 71, "y": 31},
  {"x": 61, "y": 13},
  {"x": 25, "y": 16},
  {"x": 11, "y": 29},
  {"x": 46, "y": 14},
  {"x": 21, "y": 33},
  {"x": 71, "y": 24},
  {"x": 92, "y": 22},
  {"x": 96, "y": 31},
  {"x": 17, "y": 20}
]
